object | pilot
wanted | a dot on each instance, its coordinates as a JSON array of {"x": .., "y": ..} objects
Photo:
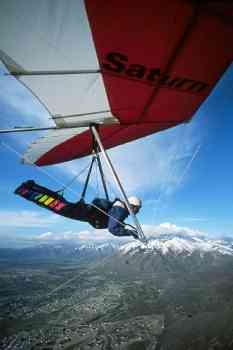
[
  {"x": 118, "y": 213},
  {"x": 102, "y": 214}
]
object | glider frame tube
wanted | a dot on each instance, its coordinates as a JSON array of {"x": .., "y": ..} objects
[{"x": 118, "y": 182}]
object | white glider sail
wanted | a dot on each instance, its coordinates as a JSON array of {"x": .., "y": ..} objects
[{"x": 48, "y": 46}]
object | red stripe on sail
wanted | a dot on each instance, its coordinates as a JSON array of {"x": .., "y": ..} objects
[{"x": 160, "y": 60}]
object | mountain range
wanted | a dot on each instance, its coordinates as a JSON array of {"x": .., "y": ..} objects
[{"x": 168, "y": 244}]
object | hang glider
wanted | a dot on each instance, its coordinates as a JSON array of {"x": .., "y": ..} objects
[
  {"x": 147, "y": 68},
  {"x": 132, "y": 69}
]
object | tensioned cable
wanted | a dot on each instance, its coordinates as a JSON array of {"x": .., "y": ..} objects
[
  {"x": 96, "y": 178},
  {"x": 75, "y": 178},
  {"x": 42, "y": 170},
  {"x": 99, "y": 209},
  {"x": 52, "y": 177},
  {"x": 69, "y": 189},
  {"x": 64, "y": 187},
  {"x": 112, "y": 190},
  {"x": 110, "y": 184}
]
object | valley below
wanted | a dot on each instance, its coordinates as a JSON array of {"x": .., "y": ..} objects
[{"x": 116, "y": 299}]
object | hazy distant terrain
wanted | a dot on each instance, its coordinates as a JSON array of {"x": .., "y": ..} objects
[{"x": 175, "y": 294}]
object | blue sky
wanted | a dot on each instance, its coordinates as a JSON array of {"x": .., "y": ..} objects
[{"x": 183, "y": 175}]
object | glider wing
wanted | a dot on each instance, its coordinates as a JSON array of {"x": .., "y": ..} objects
[{"x": 149, "y": 67}]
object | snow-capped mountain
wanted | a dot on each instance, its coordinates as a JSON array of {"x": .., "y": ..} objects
[
  {"x": 102, "y": 249},
  {"x": 166, "y": 244},
  {"x": 61, "y": 250},
  {"x": 179, "y": 245}
]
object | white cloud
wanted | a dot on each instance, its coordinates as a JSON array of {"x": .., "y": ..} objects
[
  {"x": 26, "y": 218},
  {"x": 97, "y": 235},
  {"x": 104, "y": 235},
  {"x": 195, "y": 219},
  {"x": 51, "y": 236},
  {"x": 86, "y": 235},
  {"x": 169, "y": 228}
]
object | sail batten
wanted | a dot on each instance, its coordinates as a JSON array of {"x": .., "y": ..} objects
[{"x": 48, "y": 46}]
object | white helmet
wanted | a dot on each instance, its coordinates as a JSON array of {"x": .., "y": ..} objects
[{"x": 135, "y": 201}]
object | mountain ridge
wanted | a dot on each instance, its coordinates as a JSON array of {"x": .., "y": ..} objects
[{"x": 167, "y": 244}]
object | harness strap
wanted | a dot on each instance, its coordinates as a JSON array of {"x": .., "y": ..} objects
[
  {"x": 88, "y": 178},
  {"x": 96, "y": 151},
  {"x": 102, "y": 176}
]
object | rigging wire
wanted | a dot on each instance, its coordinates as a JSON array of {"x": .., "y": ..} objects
[
  {"x": 100, "y": 169},
  {"x": 66, "y": 283},
  {"x": 74, "y": 178},
  {"x": 64, "y": 186},
  {"x": 110, "y": 185},
  {"x": 97, "y": 179},
  {"x": 40, "y": 169},
  {"x": 69, "y": 189},
  {"x": 61, "y": 286}
]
